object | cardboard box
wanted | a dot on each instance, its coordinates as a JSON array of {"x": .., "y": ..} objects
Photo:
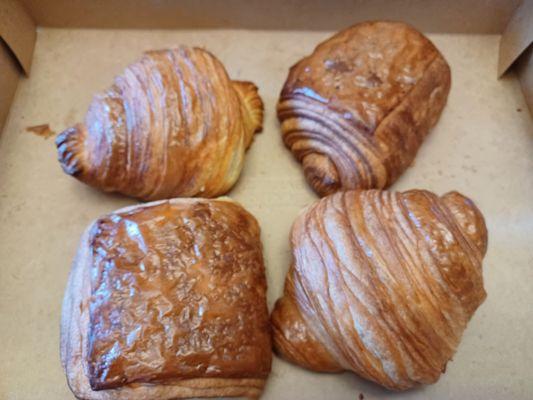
[{"x": 482, "y": 146}]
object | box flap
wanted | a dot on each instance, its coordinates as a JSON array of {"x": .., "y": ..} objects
[
  {"x": 17, "y": 29},
  {"x": 524, "y": 71},
  {"x": 517, "y": 36},
  {"x": 465, "y": 16},
  {"x": 9, "y": 78}
]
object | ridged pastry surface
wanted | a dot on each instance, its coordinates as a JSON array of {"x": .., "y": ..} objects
[
  {"x": 382, "y": 284},
  {"x": 356, "y": 110},
  {"x": 173, "y": 124},
  {"x": 178, "y": 291}
]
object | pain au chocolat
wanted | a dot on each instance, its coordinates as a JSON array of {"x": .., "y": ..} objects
[
  {"x": 356, "y": 110},
  {"x": 382, "y": 284},
  {"x": 167, "y": 300},
  {"x": 173, "y": 124}
]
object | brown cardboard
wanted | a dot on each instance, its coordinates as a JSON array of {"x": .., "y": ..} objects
[
  {"x": 18, "y": 31},
  {"x": 17, "y": 39},
  {"x": 516, "y": 37},
  {"x": 466, "y": 16},
  {"x": 9, "y": 77},
  {"x": 524, "y": 71},
  {"x": 482, "y": 146}
]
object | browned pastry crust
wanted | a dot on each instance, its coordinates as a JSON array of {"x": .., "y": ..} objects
[
  {"x": 172, "y": 125},
  {"x": 166, "y": 301},
  {"x": 382, "y": 284},
  {"x": 355, "y": 111}
]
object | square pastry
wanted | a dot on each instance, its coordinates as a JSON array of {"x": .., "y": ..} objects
[{"x": 167, "y": 300}]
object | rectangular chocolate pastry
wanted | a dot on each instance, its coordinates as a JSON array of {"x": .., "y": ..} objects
[{"x": 167, "y": 300}]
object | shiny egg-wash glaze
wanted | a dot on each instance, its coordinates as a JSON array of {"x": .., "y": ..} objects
[
  {"x": 355, "y": 111},
  {"x": 382, "y": 284},
  {"x": 173, "y": 124},
  {"x": 168, "y": 300}
]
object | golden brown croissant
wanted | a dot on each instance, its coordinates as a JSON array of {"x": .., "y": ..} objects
[
  {"x": 173, "y": 124},
  {"x": 382, "y": 284},
  {"x": 167, "y": 300},
  {"x": 355, "y": 112}
]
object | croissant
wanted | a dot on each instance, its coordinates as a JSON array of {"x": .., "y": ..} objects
[
  {"x": 355, "y": 111},
  {"x": 382, "y": 284},
  {"x": 167, "y": 300},
  {"x": 172, "y": 125}
]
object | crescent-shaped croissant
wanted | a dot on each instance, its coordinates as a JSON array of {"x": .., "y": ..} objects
[
  {"x": 382, "y": 284},
  {"x": 355, "y": 111},
  {"x": 172, "y": 125}
]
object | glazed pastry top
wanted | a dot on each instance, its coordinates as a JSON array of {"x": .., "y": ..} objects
[
  {"x": 364, "y": 71},
  {"x": 178, "y": 291}
]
